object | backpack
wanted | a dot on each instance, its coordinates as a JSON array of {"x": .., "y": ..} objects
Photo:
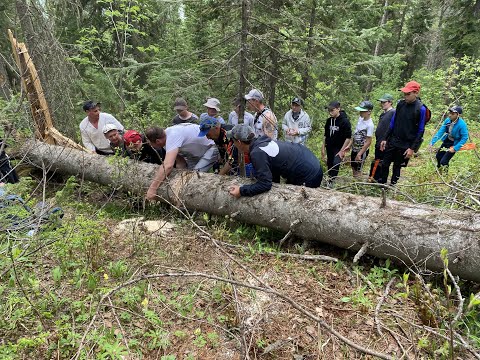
[
  {"x": 428, "y": 113},
  {"x": 428, "y": 116}
]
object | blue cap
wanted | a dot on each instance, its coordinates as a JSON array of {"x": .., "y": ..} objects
[
  {"x": 206, "y": 123},
  {"x": 456, "y": 109}
]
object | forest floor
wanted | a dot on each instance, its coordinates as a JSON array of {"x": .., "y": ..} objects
[{"x": 116, "y": 282}]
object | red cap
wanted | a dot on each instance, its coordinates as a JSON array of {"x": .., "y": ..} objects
[
  {"x": 132, "y": 137},
  {"x": 410, "y": 87}
]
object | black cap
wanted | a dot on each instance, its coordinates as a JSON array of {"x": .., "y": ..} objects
[
  {"x": 333, "y": 105},
  {"x": 90, "y": 104},
  {"x": 298, "y": 101}
]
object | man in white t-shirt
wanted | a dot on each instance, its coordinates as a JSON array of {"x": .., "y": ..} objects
[
  {"x": 181, "y": 143},
  {"x": 91, "y": 128},
  {"x": 233, "y": 116},
  {"x": 362, "y": 138}
]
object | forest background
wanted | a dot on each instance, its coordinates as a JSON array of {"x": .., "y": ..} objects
[{"x": 136, "y": 57}]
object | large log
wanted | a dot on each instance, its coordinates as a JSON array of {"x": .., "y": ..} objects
[{"x": 410, "y": 233}]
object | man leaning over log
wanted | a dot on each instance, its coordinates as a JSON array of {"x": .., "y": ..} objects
[
  {"x": 183, "y": 145},
  {"x": 273, "y": 159}
]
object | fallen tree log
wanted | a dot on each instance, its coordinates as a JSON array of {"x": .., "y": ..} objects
[{"x": 411, "y": 233}]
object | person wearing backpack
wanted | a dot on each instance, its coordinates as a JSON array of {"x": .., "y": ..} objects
[
  {"x": 362, "y": 138},
  {"x": 405, "y": 133},
  {"x": 453, "y": 133}
]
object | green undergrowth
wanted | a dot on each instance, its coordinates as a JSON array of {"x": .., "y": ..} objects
[{"x": 53, "y": 280}]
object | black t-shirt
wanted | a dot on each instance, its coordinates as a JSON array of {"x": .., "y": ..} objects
[{"x": 178, "y": 120}]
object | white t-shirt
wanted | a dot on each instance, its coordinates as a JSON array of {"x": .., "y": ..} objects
[
  {"x": 364, "y": 129},
  {"x": 247, "y": 118},
  {"x": 184, "y": 137},
  {"x": 93, "y": 137}
]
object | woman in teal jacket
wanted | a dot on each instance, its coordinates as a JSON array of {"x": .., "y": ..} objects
[{"x": 453, "y": 133}]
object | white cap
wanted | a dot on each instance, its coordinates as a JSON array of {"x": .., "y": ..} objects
[
  {"x": 109, "y": 127},
  {"x": 254, "y": 94},
  {"x": 213, "y": 103}
]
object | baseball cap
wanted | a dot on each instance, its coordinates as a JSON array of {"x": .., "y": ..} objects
[
  {"x": 411, "y": 86},
  {"x": 333, "y": 105},
  {"x": 242, "y": 132},
  {"x": 255, "y": 95},
  {"x": 132, "y": 137},
  {"x": 206, "y": 123},
  {"x": 298, "y": 101},
  {"x": 109, "y": 127},
  {"x": 386, "y": 97},
  {"x": 213, "y": 103},
  {"x": 90, "y": 104},
  {"x": 457, "y": 109},
  {"x": 364, "y": 106},
  {"x": 180, "y": 104}
]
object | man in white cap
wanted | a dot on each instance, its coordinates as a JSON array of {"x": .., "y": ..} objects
[
  {"x": 265, "y": 121},
  {"x": 115, "y": 137},
  {"x": 91, "y": 128},
  {"x": 213, "y": 108}
]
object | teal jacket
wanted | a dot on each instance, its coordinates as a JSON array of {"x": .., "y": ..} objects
[{"x": 459, "y": 133}]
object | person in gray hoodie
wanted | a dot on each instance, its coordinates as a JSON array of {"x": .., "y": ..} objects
[{"x": 296, "y": 123}]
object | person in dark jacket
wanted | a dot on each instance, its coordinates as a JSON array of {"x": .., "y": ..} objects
[
  {"x": 338, "y": 134},
  {"x": 273, "y": 159},
  {"x": 386, "y": 101},
  {"x": 7, "y": 172},
  {"x": 405, "y": 132}
]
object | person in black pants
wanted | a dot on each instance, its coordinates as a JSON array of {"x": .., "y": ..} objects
[
  {"x": 405, "y": 132},
  {"x": 338, "y": 134},
  {"x": 386, "y": 102}
]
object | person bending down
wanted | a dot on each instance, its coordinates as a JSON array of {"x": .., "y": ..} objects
[
  {"x": 273, "y": 159},
  {"x": 181, "y": 143}
]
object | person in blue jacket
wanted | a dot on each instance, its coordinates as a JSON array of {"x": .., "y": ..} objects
[
  {"x": 453, "y": 133},
  {"x": 273, "y": 159}
]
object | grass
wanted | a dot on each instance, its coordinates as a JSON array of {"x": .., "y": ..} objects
[{"x": 51, "y": 289}]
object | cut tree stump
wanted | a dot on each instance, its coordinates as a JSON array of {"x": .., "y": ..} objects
[{"x": 410, "y": 233}]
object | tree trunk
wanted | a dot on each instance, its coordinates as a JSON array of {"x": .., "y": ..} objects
[
  {"x": 309, "y": 51},
  {"x": 402, "y": 24},
  {"x": 410, "y": 233}
]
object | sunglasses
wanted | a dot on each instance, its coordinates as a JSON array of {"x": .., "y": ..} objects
[{"x": 406, "y": 94}]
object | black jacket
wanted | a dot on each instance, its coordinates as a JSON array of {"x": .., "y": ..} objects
[
  {"x": 273, "y": 159},
  {"x": 337, "y": 130},
  {"x": 407, "y": 125},
  {"x": 382, "y": 127}
]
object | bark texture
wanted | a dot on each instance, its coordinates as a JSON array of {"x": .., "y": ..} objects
[{"x": 412, "y": 234}]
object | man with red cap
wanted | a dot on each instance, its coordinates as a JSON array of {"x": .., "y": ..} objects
[
  {"x": 139, "y": 149},
  {"x": 405, "y": 133}
]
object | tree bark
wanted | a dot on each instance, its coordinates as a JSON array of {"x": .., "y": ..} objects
[
  {"x": 309, "y": 51},
  {"x": 409, "y": 233}
]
